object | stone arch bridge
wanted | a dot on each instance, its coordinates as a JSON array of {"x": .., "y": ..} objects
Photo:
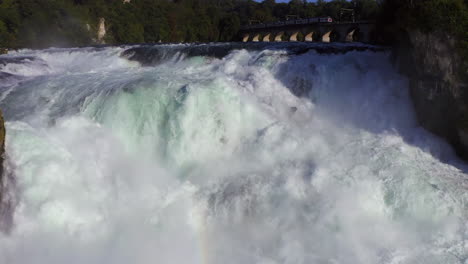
[{"x": 361, "y": 31}]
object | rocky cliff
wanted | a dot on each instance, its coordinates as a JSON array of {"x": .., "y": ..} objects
[
  {"x": 2, "y": 150},
  {"x": 2, "y": 153},
  {"x": 101, "y": 33},
  {"x": 2, "y": 146},
  {"x": 7, "y": 186},
  {"x": 438, "y": 84}
]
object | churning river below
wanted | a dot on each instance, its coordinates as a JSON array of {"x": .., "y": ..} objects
[{"x": 223, "y": 154}]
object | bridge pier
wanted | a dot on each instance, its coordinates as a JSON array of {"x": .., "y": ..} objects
[
  {"x": 267, "y": 37},
  {"x": 366, "y": 33},
  {"x": 245, "y": 38},
  {"x": 349, "y": 34},
  {"x": 366, "y": 38}
]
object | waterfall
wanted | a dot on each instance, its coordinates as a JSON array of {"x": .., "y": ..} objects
[{"x": 279, "y": 153}]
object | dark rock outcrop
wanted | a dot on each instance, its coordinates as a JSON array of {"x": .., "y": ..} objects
[
  {"x": 2, "y": 151},
  {"x": 438, "y": 86},
  {"x": 7, "y": 186}
]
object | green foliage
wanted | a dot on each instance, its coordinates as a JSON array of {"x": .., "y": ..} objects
[
  {"x": 442, "y": 16},
  {"x": 36, "y": 23},
  {"x": 229, "y": 25},
  {"x": 9, "y": 21},
  {"x": 6, "y": 38},
  {"x": 42, "y": 23}
]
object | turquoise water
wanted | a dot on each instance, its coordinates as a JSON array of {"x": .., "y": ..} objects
[{"x": 257, "y": 157}]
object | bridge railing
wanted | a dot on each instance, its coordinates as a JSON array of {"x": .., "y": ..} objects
[
  {"x": 306, "y": 21},
  {"x": 289, "y": 22}
]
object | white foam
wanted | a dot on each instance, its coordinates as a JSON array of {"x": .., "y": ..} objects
[
  {"x": 65, "y": 61},
  {"x": 217, "y": 161}
]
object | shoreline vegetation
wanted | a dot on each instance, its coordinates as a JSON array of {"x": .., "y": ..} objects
[
  {"x": 70, "y": 23},
  {"x": 65, "y": 23}
]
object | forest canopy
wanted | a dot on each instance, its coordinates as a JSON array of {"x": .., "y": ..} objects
[{"x": 42, "y": 23}]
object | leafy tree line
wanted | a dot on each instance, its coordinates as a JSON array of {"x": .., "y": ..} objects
[
  {"x": 42, "y": 23},
  {"x": 449, "y": 17}
]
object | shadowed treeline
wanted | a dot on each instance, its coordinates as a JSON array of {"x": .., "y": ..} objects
[
  {"x": 449, "y": 17},
  {"x": 42, "y": 23}
]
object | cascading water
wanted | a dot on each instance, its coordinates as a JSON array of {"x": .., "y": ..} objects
[{"x": 261, "y": 155}]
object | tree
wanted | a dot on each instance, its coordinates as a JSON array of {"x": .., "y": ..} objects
[{"x": 42, "y": 23}]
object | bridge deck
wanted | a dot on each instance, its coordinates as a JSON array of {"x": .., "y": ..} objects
[
  {"x": 301, "y": 24},
  {"x": 321, "y": 31}
]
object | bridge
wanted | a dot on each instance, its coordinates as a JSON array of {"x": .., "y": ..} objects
[{"x": 305, "y": 30}]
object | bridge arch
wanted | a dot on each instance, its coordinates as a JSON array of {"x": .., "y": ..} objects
[
  {"x": 325, "y": 32},
  {"x": 293, "y": 36},
  {"x": 309, "y": 36},
  {"x": 354, "y": 35},
  {"x": 256, "y": 37},
  {"x": 330, "y": 35},
  {"x": 358, "y": 34},
  {"x": 351, "y": 34},
  {"x": 279, "y": 36},
  {"x": 266, "y": 37}
]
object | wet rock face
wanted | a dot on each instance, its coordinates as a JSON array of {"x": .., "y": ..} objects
[
  {"x": 2, "y": 154},
  {"x": 2, "y": 151},
  {"x": 2, "y": 145},
  {"x": 101, "y": 30},
  {"x": 437, "y": 85},
  {"x": 7, "y": 186}
]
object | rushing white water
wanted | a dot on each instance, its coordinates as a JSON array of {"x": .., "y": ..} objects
[{"x": 257, "y": 157}]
